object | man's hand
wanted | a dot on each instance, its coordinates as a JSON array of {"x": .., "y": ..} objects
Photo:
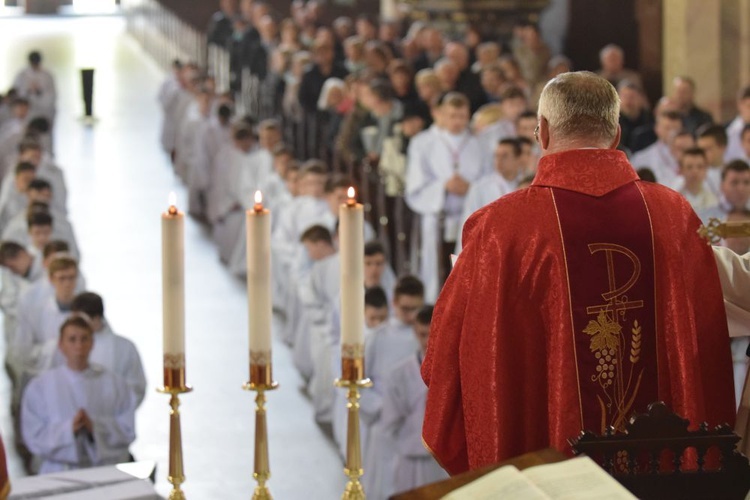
[{"x": 457, "y": 185}]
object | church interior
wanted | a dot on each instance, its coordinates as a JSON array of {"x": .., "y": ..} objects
[{"x": 222, "y": 176}]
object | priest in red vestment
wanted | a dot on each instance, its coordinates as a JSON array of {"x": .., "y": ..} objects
[{"x": 576, "y": 302}]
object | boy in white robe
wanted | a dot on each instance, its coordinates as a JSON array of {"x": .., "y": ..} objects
[
  {"x": 512, "y": 105},
  {"x": 384, "y": 350},
  {"x": 712, "y": 139},
  {"x": 692, "y": 183},
  {"x": 31, "y": 150},
  {"x": 38, "y": 86},
  {"x": 11, "y": 134},
  {"x": 79, "y": 414},
  {"x": 175, "y": 102},
  {"x": 659, "y": 156},
  {"x": 504, "y": 179},
  {"x": 13, "y": 199},
  {"x": 326, "y": 337},
  {"x": 21, "y": 267},
  {"x": 196, "y": 113},
  {"x": 225, "y": 207},
  {"x": 735, "y": 192},
  {"x": 256, "y": 178},
  {"x": 39, "y": 194},
  {"x": 438, "y": 177},
  {"x": 376, "y": 317},
  {"x": 114, "y": 352},
  {"x": 39, "y": 323},
  {"x": 37, "y": 293},
  {"x": 317, "y": 204},
  {"x": 210, "y": 137},
  {"x": 734, "y": 149},
  {"x": 402, "y": 415},
  {"x": 308, "y": 310}
]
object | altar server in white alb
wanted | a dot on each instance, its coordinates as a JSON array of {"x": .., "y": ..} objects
[
  {"x": 21, "y": 267},
  {"x": 439, "y": 174},
  {"x": 114, "y": 352},
  {"x": 385, "y": 349},
  {"x": 659, "y": 156},
  {"x": 505, "y": 177},
  {"x": 210, "y": 137},
  {"x": 39, "y": 323},
  {"x": 79, "y": 414},
  {"x": 401, "y": 418},
  {"x": 225, "y": 204},
  {"x": 37, "y": 85},
  {"x": 11, "y": 133}
]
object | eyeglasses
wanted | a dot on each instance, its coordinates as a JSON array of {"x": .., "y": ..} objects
[{"x": 536, "y": 133}]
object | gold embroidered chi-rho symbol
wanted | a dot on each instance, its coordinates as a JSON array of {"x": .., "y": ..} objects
[{"x": 617, "y": 353}]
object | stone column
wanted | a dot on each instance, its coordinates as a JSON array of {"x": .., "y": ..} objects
[{"x": 707, "y": 41}]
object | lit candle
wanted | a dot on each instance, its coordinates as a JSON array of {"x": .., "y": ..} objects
[
  {"x": 173, "y": 293},
  {"x": 258, "y": 225},
  {"x": 351, "y": 250}
]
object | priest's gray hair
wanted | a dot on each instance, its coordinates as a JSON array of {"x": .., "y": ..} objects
[{"x": 580, "y": 105}]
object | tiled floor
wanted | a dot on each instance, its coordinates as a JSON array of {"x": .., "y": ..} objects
[{"x": 118, "y": 181}]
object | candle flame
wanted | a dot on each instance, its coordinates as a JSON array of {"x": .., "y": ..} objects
[
  {"x": 172, "y": 199},
  {"x": 258, "y": 197},
  {"x": 350, "y": 192}
]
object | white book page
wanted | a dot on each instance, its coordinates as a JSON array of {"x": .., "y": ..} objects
[
  {"x": 504, "y": 483},
  {"x": 577, "y": 479}
]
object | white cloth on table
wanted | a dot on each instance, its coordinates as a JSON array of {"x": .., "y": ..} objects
[
  {"x": 52, "y": 400},
  {"x": 433, "y": 159}
]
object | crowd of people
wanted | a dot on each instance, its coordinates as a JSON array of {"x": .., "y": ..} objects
[
  {"x": 429, "y": 129},
  {"x": 76, "y": 383}
]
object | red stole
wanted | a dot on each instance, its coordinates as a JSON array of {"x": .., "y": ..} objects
[{"x": 609, "y": 260}]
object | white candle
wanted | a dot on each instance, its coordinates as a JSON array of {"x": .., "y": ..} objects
[
  {"x": 258, "y": 225},
  {"x": 352, "y": 249},
  {"x": 173, "y": 285}
]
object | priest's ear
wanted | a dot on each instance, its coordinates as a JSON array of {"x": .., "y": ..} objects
[
  {"x": 542, "y": 137},
  {"x": 616, "y": 141}
]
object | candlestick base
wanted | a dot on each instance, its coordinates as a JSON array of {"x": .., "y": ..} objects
[
  {"x": 353, "y": 468},
  {"x": 262, "y": 469},
  {"x": 176, "y": 474}
]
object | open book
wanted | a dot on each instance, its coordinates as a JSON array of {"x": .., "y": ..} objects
[{"x": 575, "y": 479}]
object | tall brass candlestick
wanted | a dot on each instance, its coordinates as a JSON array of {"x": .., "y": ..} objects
[
  {"x": 258, "y": 225},
  {"x": 351, "y": 237},
  {"x": 173, "y": 298}
]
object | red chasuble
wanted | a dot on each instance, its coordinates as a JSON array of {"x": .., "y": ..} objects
[{"x": 575, "y": 303}]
